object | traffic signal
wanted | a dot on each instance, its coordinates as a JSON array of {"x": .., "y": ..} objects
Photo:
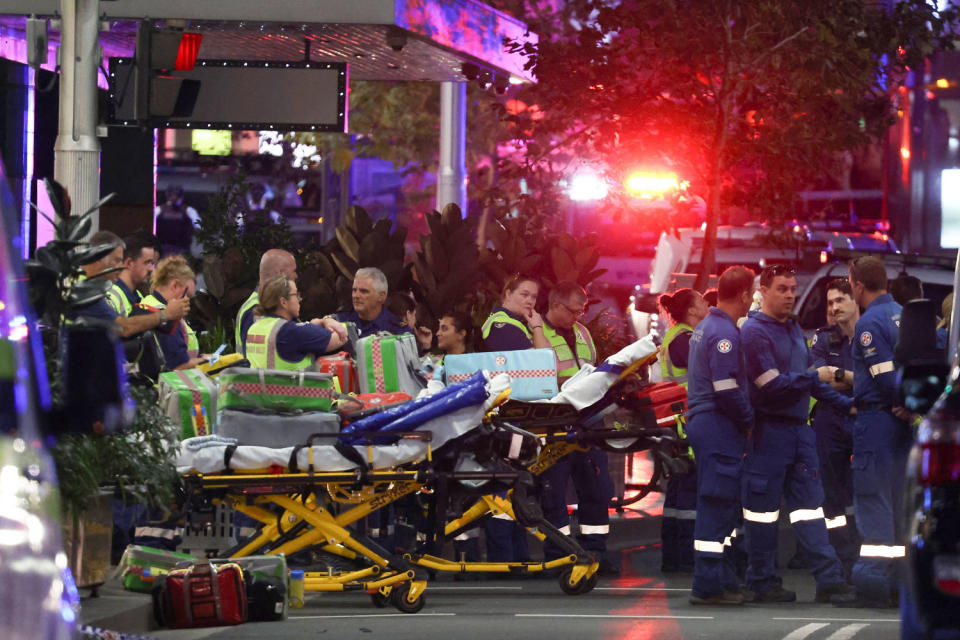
[{"x": 159, "y": 95}]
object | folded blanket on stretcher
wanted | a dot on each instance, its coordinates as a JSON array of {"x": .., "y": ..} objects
[{"x": 458, "y": 420}]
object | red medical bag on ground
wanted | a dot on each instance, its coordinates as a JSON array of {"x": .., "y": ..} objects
[
  {"x": 201, "y": 595},
  {"x": 361, "y": 405},
  {"x": 341, "y": 367},
  {"x": 658, "y": 404}
]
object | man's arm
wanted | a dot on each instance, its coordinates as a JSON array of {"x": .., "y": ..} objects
[
  {"x": 878, "y": 358},
  {"x": 763, "y": 372},
  {"x": 732, "y": 400},
  {"x": 132, "y": 325}
]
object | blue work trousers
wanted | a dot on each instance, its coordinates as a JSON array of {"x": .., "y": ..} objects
[
  {"x": 783, "y": 466},
  {"x": 718, "y": 446},
  {"x": 677, "y": 523},
  {"x": 881, "y": 443},
  {"x": 834, "y": 450},
  {"x": 590, "y": 473}
]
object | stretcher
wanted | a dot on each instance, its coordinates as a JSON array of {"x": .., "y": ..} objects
[{"x": 310, "y": 496}]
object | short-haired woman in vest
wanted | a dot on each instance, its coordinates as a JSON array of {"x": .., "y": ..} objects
[
  {"x": 278, "y": 340},
  {"x": 686, "y": 308},
  {"x": 172, "y": 279}
]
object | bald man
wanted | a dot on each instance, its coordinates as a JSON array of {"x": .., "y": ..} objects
[{"x": 273, "y": 263}]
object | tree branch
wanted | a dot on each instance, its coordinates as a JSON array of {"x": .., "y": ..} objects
[{"x": 756, "y": 62}]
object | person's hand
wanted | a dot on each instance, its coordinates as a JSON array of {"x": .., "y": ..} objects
[
  {"x": 906, "y": 416},
  {"x": 424, "y": 336},
  {"x": 826, "y": 373},
  {"x": 177, "y": 309},
  {"x": 330, "y": 324},
  {"x": 534, "y": 320}
]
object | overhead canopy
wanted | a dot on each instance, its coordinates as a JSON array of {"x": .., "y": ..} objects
[{"x": 431, "y": 39}]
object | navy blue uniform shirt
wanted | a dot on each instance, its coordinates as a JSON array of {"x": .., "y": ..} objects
[
  {"x": 100, "y": 310},
  {"x": 173, "y": 343},
  {"x": 386, "y": 321},
  {"x": 831, "y": 347},
  {"x": 779, "y": 369},
  {"x": 680, "y": 350},
  {"x": 504, "y": 336},
  {"x": 298, "y": 340},
  {"x": 716, "y": 381},
  {"x": 874, "y": 374}
]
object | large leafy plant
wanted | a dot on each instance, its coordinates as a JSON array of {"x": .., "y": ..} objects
[{"x": 137, "y": 462}]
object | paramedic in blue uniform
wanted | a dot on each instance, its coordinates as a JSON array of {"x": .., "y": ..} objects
[
  {"x": 833, "y": 425},
  {"x": 686, "y": 308},
  {"x": 783, "y": 464},
  {"x": 369, "y": 313},
  {"x": 512, "y": 326},
  {"x": 881, "y": 440},
  {"x": 719, "y": 418},
  {"x": 589, "y": 470}
]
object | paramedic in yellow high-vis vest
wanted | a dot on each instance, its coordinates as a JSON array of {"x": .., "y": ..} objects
[
  {"x": 273, "y": 263},
  {"x": 685, "y": 308},
  {"x": 278, "y": 340},
  {"x": 589, "y": 470}
]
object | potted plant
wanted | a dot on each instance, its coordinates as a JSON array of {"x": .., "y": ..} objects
[{"x": 128, "y": 456}]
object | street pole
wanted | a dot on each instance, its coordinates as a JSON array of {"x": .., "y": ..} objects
[
  {"x": 452, "y": 175},
  {"x": 77, "y": 149}
]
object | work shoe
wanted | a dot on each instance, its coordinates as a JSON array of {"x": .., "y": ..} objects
[
  {"x": 725, "y": 598},
  {"x": 853, "y": 601},
  {"x": 774, "y": 594},
  {"x": 841, "y": 591}
]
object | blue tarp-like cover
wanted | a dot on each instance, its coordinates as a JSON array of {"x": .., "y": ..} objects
[{"x": 409, "y": 415}]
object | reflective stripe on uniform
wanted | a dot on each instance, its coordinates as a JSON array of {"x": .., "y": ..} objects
[
  {"x": 503, "y": 516},
  {"x": 594, "y": 529},
  {"x": 766, "y": 376},
  {"x": 882, "y": 551},
  {"x": 565, "y": 529},
  {"x": 708, "y": 546},
  {"x": 725, "y": 385},
  {"x": 728, "y": 541},
  {"x": 802, "y": 515},
  {"x": 883, "y": 367},
  {"x": 836, "y": 523},
  {"x": 766, "y": 517},
  {"x": 155, "y": 532}
]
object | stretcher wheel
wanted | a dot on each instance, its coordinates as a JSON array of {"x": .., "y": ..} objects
[
  {"x": 398, "y": 598},
  {"x": 585, "y": 585},
  {"x": 379, "y": 600}
]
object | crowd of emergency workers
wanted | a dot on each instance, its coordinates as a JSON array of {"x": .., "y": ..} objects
[{"x": 773, "y": 419}]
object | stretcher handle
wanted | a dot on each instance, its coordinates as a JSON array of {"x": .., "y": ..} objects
[
  {"x": 506, "y": 426},
  {"x": 367, "y": 438}
]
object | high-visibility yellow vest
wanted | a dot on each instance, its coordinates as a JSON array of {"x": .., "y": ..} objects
[
  {"x": 503, "y": 316},
  {"x": 671, "y": 372},
  {"x": 249, "y": 303},
  {"x": 193, "y": 346},
  {"x": 119, "y": 301},
  {"x": 567, "y": 364},
  {"x": 261, "y": 347}
]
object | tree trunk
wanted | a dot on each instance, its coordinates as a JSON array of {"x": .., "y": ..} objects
[{"x": 713, "y": 198}]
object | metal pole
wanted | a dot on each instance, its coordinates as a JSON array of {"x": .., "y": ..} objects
[
  {"x": 77, "y": 150},
  {"x": 452, "y": 174}
]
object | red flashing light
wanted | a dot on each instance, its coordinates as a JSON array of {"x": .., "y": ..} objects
[
  {"x": 824, "y": 257},
  {"x": 188, "y": 51},
  {"x": 904, "y": 153}
]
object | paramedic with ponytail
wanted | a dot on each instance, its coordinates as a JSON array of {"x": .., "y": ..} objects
[
  {"x": 686, "y": 309},
  {"x": 173, "y": 279},
  {"x": 278, "y": 341}
]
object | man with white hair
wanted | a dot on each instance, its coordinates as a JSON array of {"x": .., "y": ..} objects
[
  {"x": 273, "y": 263},
  {"x": 369, "y": 313}
]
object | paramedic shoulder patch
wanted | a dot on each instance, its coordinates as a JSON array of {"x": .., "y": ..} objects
[
  {"x": 814, "y": 340},
  {"x": 866, "y": 339},
  {"x": 724, "y": 346}
]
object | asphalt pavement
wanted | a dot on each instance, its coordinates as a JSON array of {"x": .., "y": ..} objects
[{"x": 639, "y": 604}]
